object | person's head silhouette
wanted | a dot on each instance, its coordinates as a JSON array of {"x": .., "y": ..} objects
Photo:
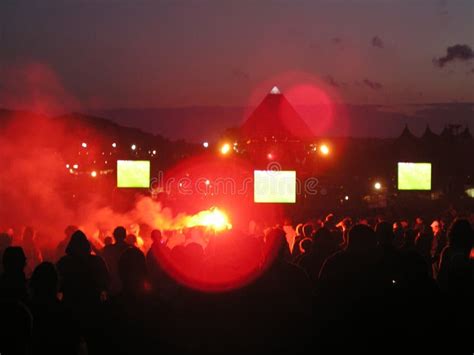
[
  {"x": 361, "y": 238},
  {"x": 5, "y": 241},
  {"x": 460, "y": 235},
  {"x": 44, "y": 282},
  {"x": 14, "y": 260},
  {"x": 108, "y": 241},
  {"x": 384, "y": 233},
  {"x": 120, "y": 233},
  {"x": 78, "y": 245},
  {"x": 156, "y": 236}
]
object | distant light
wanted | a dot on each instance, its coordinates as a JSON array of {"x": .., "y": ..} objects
[
  {"x": 114, "y": 145},
  {"x": 94, "y": 173},
  {"x": 275, "y": 91},
  {"x": 154, "y": 152},
  {"x": 67, "y": 166},
  {"x": 75, "y": 166},
  {"x": 346, "y": 198},
  {"x": 71, "y": 171},
  {"x": 470, "y": 192},
  {"x": 269, "y": 156},
  {"x": 84, "y": 145},
  {"x": 205, "y": 144},
  {"x": 133, "y": 147},
  {"x": 324, "y": 149},
  {"x": 377, "y": 185},
  {"x": 225, "y": 149},
  {"x": 207, "y": 182}
]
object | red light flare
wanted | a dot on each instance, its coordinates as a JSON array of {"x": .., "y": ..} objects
[
  {"x": 233, "y": 259},
  {"x": 316, "y": 101}
]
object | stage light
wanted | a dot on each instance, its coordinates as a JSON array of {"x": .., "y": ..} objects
[
  {"x": 269, "y": 156},
  {"x": 205, "y": 144},
  {"x": 67, "y": 166},
  {"x": 133, "y": 147},
  {"x": 324, "y": 149},
  {"x": 207, "y": 182},
  {"x": 346, "y": 198},
  {"x": 75, "y": 166},
  {"x": 84, "y": 145},
  {"x": 225, "y": 149},
  {"x": 114, "y": 145},
  {"x": 94, "y": 173},
  {"x": 154, "y": 152},
  {"x": 377, "y": 185}
]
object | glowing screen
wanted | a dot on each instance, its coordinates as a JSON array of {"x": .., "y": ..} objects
[
  {"x": 133, "y": 173},
  {"x": 274, "y": 186},
  {"x": 414, "y": 176}
]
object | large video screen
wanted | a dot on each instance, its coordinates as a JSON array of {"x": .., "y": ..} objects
[
  {"x": 133, "y": 173},
  {"x": 414, "y": 176},
  {"x": 274, "y": 186}
]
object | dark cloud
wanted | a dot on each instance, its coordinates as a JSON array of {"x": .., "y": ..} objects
[
  {"x": 457, "y": 52},
  {"x": 377, "y": 42},
  {"x": 372, "y": 84},
  {"x": 329, "y": 79},
  {"x": 240, "y": 74}
]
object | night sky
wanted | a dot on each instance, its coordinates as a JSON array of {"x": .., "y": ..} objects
[{"x": 131, "y": 53}]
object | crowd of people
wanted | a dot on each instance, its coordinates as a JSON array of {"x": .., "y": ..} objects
[{"x": 329, "y": 283}]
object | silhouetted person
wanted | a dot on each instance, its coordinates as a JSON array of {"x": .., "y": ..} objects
[
  {"x": 391, "y": 258},
  {"x": 134, "y": 312},
  {"x": 32, "y": 252},
  {"x": 350, "y": 287},
  {"x": 83, "y": 276},
  {"x": 279, "y": 301},
  {"x": 456, "y": 268},
  {"x": 5, "y": 242},
  {"x": 54, "y": 332},
  {"x": 408, "y": 243},
  {"x": 62, "y": 245},
  {"x": 423, "y": 243},
  {"x": 156, "y": 257},
  {"x": 305, "y": 246},
  {"x": 108, "y": 241},
  {"x": 15, "y": 328},
  {"x": 112, "y": 253},
  {"x": 83, "y": 281},
  {"x": 13, "y": 279},
  {"x": 456, "y": 279},
  {"x": 438, "y": 244},
  {"x": 323, "y": 246}
]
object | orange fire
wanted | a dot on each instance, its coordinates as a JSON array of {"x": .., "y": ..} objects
[{"x": 213, "y": 219}]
